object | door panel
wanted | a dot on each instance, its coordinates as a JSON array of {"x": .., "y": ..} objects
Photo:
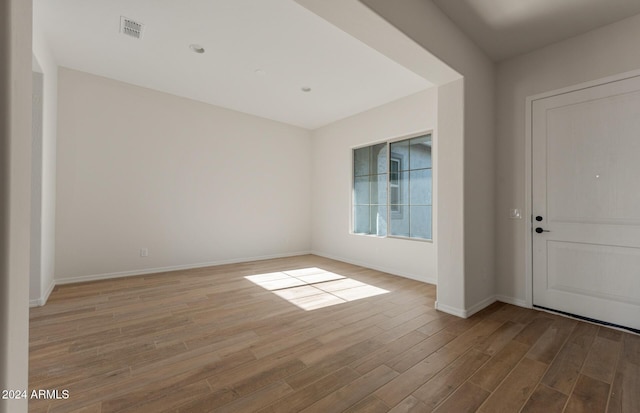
[
  {"x": 593, "y": 270},
  {"x": 586, "y": 186}
]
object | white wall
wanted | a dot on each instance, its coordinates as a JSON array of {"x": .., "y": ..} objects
[
  {"x": 49, "y": 70},
  {"x": 36, "y": 186},
  {"x": 466, "y": 244},
  {"x": 15, "y": 194},
  {"x": 449, "y": 204},
  {"x": 193, "y": 183},
  {"x": 606, "y": 51},
  {"x": 331, "y": 184}
]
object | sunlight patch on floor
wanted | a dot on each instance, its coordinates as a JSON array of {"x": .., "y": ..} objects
[{"x": 313, "y": 288}]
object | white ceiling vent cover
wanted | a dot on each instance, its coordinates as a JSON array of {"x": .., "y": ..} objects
[{"x": 131, "y": 27}]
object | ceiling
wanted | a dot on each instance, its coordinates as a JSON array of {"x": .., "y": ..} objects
[
  {"x": 507, "y": 28},
  {"x": 259, "y": 54}
]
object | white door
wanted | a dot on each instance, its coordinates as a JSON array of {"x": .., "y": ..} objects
[{"x": 586, "y": 194}]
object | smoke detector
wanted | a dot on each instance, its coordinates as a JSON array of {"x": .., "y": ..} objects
[{"x": 131, "y": 27}]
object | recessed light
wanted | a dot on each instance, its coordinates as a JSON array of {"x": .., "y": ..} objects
[
  {"x": 260, "y": 72},
  {"x": 306, "y": 89},
  {"x": 196, "y": 48}
]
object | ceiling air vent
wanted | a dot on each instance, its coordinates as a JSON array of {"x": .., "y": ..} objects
[{"x": 130, "y": 27}]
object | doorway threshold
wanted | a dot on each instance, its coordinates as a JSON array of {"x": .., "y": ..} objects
[{"x": 588, "y": 319}]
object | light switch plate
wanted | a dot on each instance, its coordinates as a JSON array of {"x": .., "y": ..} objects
[{"x": 515, "y": 213}]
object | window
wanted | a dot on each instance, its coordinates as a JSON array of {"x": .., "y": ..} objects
[
  {"x": 370, "y": 190},
  {"x": 392, "y": 189}
]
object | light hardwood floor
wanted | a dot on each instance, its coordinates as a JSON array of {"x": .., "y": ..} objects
[{"x": 301, "y": 338}]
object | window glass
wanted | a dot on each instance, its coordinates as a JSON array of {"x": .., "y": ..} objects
[
  {"x": 420, "y": 152},
  {"x": 379, "y": 162},
  {"x": 361, "y": 190},
  {"x": 361, "y": 161},
  {"x": 400, "y": 222},
  {"x": 361, "y": 224},
  {"x": 393, "y": 189},
  {"x": 420, "y": 222}
]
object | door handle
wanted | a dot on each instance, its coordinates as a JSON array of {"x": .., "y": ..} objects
[{"x": 540, "y": 230}]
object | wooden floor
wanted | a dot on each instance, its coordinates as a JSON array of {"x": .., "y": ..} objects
[{"x": 309, "y": 340}]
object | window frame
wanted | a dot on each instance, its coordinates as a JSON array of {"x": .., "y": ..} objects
[
  {"x": 388, "y": 142},
  {"x": 397, "y": 211}
]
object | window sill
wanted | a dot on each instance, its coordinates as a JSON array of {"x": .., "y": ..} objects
[{"x": 430, "y": 241}]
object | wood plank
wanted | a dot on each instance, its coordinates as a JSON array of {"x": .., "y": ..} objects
[
  {"x": 565, "y": 369},
  {"x": 355, "y": 391},
  {"x": 330, "y": 363},
  {"x": 304, "y": 397},
  {"x": 209, "y": 339},
  {"x": 589, "y": 396},
  {"x": 254, "y": 381},
  {"x": 499, "y": 338},
  {"x": 601, "y": 361},
  {"x": 525, "y": 316},
  {"x": 473, "y": 336},
  {"x": 337, "y": 345},
  {"x": 248, "y": 377},
  {"x": 387, "y": 352},
  {"x": 255, "y": 401},
  {"x": 440, "y": 323},
  {"x": 409, "y": 405},
  {"x": 450, "y": 378},
  {"x": 208, "y": 402},
  {"x": 407, "y": 359},
  {"x": 516, "y": 388},
  {"x": 624, "y": 393},
  {"x": 149, "y": 391},
  {"x": 370, "y": 404},
  {"x": 401, "y": 330},
  {"x": 610, "y": 333},
  {"x": 170, "y": 400},
  {"x": 498, "y": 367},
  {"x": 466, "y": 399},
  {"x": 407, "y": 382},
  {"x": 94, "y": 408},
  {"x": 534, "y": 330},
  {"x": 545, "y": 399},
  {"x": 631, "y": 348},
  {"x": 550, "y": 343}
]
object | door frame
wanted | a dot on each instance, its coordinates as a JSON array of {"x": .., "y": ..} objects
[{"x": 528, "y": 184}]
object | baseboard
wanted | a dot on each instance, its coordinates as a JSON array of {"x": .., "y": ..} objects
[
  {"x": 391, "y": 271},
  {"x": 39, "y": 302},
  {"x": 513, "y": 301},
  {"x": 480, "y": 306},
  {"x": 458, "y": 312},
  {"x": 106, "y": 276},
  {"x": 47, "y": 293}
]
